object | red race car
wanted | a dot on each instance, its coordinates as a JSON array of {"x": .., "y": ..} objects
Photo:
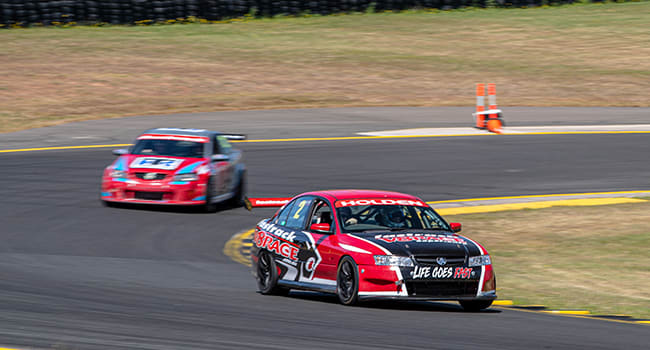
[
  {"x": 177, "y": 166},
  {"x": 369, "y": 245}
]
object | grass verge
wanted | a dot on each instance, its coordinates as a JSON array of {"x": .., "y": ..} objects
[
  {"x": 579, "y": 55},
  {"x": 593, "y": 258}
]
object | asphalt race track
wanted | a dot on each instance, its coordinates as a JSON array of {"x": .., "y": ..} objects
[{"x": 77, "y": 275}]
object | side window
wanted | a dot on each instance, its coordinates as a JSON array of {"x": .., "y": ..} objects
[
  {"x": 322, "y": 213},
  {"x": 299, "y": 213},
  {"x": 221, "y": 145},
  {"x": 281, "y": 218}
]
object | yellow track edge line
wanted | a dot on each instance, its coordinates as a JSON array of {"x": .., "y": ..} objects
[
  {"x": 587, "y": 316},
  {"x": 536, "y": 196},
  {"x": 60, "y": 148},
  {"x": 503, "y": 302},
  {"x": 342, "y": 138},
  {"x": 580, "y": 202},
  {"x": 568, "y": 312}
]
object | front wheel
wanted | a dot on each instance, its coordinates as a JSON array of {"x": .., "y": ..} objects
[
  {"x": 347, "y": 281},
  {"x": 475, "y": 305},
  {"x": 209, "y": 206},
  {"x": 267, "y": 275},
  {"x": 239, "y": 197}
]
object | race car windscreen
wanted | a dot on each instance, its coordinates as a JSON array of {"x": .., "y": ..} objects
[
  {"x": 361, "y": 218},
  {"x": 169, "y": 148}
]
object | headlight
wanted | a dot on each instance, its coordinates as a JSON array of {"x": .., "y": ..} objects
[
  {"x": 186, "y": 177},
  {"x": 118, "y": 173},
  {"x": 392, "y": 260},
  {"x": 479, "y": 260}
]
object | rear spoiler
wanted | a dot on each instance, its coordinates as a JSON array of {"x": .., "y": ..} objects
[
  {"x": 265, "y": 202},
  {"x": 234, "y": 137}
]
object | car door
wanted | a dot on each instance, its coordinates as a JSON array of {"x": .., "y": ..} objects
[
  {"x": 224, "y": 168},
  {"x": 326, "y": 244}
]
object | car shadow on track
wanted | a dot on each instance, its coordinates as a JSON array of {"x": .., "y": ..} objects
[
  {"x": 186, "y": 209},
  {"x": 415, "y": 305}
]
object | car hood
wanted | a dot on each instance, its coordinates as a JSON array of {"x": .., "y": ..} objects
[
  {"x": 160, "y": 164},
  {"x": 423, "y": 243}
]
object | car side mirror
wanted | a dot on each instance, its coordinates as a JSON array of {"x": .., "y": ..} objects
[
  {"x": 455, "y": 226},
  {"x": 120, "y": 152},
  {"x": 220, "y": 158},
  {"x": 322, "y": 228}
]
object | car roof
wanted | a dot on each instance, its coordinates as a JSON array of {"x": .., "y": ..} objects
[
  {"x": 182, "y": 131},
  {"x": 335, "y": 195}
]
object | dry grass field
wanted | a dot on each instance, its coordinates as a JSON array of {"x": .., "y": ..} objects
[
  {"x": 581, "y": 55},
  {"x": 593, "y": 258}
]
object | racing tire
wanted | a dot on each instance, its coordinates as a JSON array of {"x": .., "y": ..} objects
[
  {"x": 209, "y": 206},
  {"x": 267, "y": 275},
  {"x": 475, "y": 305},
  {"x": 347, "y": 281},
  {"x": 238, "y": 199}
]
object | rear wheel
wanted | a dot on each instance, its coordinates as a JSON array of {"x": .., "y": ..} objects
[
  {"x": 347, "y": 281},
  {"x": 267, "y": 275},
  {"x": 475, "y": 305}
]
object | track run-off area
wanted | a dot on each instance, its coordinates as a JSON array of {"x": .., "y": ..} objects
[{"x": 77, "y": 275}]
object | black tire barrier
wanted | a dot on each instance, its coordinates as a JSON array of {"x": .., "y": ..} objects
[{"x": 67, "y": 12}]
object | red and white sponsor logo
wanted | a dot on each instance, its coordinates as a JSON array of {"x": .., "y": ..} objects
[
  {"x": 420, "y": 272},
  {"x": 423, "y": 238},
  {"x": 383, "y": 201},
  {"x": 173, "y": 138},
  {"x": 272, "y": 243},
  {"x": 463, "y": 272},
  {"x": 269, "y": 202}
]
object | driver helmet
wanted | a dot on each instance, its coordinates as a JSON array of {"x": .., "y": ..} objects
[
  {"x": 396, "y": 218},
  {"x": 345, "y": 213},
  {"x": 159, "y": 146}
]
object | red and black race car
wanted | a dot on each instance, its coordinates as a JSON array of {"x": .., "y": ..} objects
[
  {"x": 370, "y": 245},
  {"x": 177, "y": 166}
]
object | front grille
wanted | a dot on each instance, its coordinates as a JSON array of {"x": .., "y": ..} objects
[
  {"x": 431, "y": 260},
  {"x": 152, "y": 196},
  {"x": 150, "y": 176},
  {"x": 442, "y": 288}
]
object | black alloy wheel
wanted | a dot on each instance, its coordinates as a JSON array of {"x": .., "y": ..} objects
[
  {"x": 347, "y": 281},
  {"x": 267, "y": 275}
]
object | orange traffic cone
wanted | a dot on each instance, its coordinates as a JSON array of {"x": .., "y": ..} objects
[{"x": 494, "y": 125}]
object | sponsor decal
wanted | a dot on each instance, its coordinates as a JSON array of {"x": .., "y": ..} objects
[
  {"x": 463, "y": 272},
  {"x": 356, "y": 202},
  {"x": 280, "y": 233},
  {"x": 422, "y": 272},
  {"x": 274, "y": 244},
  {"x": 269, "y": 202},
  {"x": 156, "y": 163},
  {"x": 420, "y": 238}
]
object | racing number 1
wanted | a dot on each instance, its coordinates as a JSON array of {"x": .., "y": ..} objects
[{"x": 301, "y": 205}]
